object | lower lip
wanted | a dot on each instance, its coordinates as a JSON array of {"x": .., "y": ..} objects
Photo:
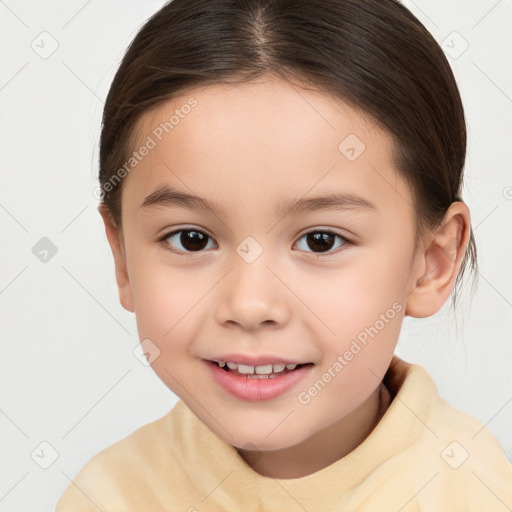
[{"x": 255, "y": 389}]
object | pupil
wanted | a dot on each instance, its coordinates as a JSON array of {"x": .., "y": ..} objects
[
  {"x": 320, "y": 240},
  {"x": 193, "y": 240}
]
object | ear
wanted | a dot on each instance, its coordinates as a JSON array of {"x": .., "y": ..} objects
[
  {"x": 439, "y": 262},
  {"x": 116, "y": 242}
]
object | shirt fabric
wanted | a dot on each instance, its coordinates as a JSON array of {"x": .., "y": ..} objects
[{"x": 423, "y": 455}]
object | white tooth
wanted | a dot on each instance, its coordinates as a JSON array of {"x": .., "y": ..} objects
[
  {"x": 263, "y": 369},
  {"x": 221, "y": 364},
  {"x": 231, "y": 366},
  {"x": 279, "y": 367},
  {"x": 291, "y": 366},
  {"x": 243, "y": 368}
]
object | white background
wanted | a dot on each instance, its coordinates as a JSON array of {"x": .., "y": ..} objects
[{"x": 68, "y": 376}]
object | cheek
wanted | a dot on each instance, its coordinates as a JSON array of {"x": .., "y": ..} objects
[
  {"x": 165, "y": 301},
  {"x": 166, "y": 308},
  {"x": 350, "y": 298},
  {"x": 361, "y": 307}
]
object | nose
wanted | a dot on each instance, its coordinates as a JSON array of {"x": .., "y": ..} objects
[{"x": 251, "y": 297}]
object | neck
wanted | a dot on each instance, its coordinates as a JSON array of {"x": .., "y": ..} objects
[{"x": 324, "y": 447}]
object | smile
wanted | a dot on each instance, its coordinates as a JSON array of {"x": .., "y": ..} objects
[
  {"x": 256, "y": 383},
  {"x": 267, "y": 371}
]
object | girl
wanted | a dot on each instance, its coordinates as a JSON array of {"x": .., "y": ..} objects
[{"x": 312, "y": 152}]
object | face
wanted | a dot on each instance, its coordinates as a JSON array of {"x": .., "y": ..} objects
[{"x": 272, "y": 274}]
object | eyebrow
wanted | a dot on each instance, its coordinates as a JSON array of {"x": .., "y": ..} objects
[{"x": 165, "y": 196}]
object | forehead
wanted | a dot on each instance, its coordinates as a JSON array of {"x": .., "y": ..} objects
[{"x": 261, "y": 140}]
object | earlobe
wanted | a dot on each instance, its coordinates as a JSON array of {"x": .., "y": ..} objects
[
  {"x": 115, "y": 240},
  {"x": 440, "y": 263}
]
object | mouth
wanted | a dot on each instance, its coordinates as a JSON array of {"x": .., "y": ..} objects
[
  {"x": 260, "y": 382},
  {"x": 266, "y": 371}
]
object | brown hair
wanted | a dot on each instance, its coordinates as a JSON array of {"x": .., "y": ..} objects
[{"x": 373, "y": 54}]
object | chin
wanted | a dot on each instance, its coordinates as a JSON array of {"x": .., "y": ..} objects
[{"x": 258, "y": 440}]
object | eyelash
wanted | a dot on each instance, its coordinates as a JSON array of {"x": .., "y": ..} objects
[{"x": 163, "y": 240}]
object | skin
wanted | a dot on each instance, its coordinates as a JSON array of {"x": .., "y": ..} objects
[{"x": 247, "y": 146}]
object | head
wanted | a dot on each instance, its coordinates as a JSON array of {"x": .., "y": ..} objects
[{"x": 326, "y": 141}]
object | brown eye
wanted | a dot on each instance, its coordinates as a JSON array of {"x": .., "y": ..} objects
[
  {"x": 187, "y": 240},
  {"x": 321, "y": 241}
]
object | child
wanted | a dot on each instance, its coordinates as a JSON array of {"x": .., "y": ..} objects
[{"x": 313, "y": 152}]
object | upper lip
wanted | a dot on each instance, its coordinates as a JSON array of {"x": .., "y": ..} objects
[{"x": 253, "y": 360}]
